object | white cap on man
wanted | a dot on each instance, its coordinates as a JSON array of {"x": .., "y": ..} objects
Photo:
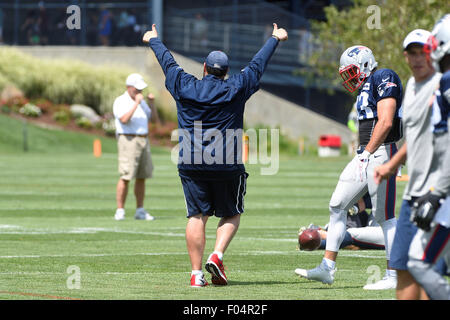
[
  {"x": 136, "y": 80},
  {"x": 418, "y": 36}
]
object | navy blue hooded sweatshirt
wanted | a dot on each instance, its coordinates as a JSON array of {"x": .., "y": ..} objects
[{"x": 210, "y": 112}]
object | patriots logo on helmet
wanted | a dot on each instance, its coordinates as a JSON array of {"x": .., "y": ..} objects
[{"x": 355, "y": 51}]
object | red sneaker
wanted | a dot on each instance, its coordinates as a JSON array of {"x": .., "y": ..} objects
[
  {"x": 215, "y": 266},
  {"x": 198, "y": 281}
]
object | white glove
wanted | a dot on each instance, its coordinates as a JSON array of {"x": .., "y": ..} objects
[{"x": 363, "y": 162}]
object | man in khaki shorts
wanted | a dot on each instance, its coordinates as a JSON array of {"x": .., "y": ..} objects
[{"x": 132, "y": 115}]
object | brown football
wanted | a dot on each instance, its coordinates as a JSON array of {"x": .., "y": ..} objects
[{"x": 309, "y": 240}]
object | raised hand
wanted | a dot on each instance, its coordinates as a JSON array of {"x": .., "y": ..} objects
[
  {"x": 139, "y": 97},
  {"x": 150, "y": 34},
  {"x": 280, "y": 33}
]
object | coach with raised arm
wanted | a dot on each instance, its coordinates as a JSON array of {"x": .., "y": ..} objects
[{"x": 210, "y": 122}]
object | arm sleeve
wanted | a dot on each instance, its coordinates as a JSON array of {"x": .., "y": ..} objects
[
  {"x": 146, "y": 109},
  {"x": 444, "y": 87},
  {"x": 252, "y": 73},
  {"x": 117, "y": 110},
  {"x": 175, "y": 76},
  {"x": 443, "y": 184}
]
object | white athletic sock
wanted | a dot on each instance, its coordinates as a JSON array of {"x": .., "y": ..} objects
[
  {"x": 197, "y": 272},
  {"x": 388, "y": 228},
  {"x": 391, "y": 273},
  {"x": 329, "y": 264},
  {"x": 219, "y": 254},
  {"x": 336, "y": 229}
]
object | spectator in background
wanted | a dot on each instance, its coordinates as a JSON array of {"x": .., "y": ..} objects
[
  {"x": 59, "y": 36},
  {"x": 30, "y": 28},
  {"x": 199, "y": 31},
  {"x": 130, "y": 34},
  {"x": 92, "y": 29},
  {"x": 43, "y": 24},
  {"x": 122, "y": 25},
  {"x": 63, "y": 35},
  {"x": 132, "y": 114},
  {"x": 105, "y": 26}
]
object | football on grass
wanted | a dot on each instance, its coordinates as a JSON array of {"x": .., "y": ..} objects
[{"x": 309, "y": 240}]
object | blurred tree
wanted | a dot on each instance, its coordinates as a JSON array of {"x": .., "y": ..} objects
[{"x": 380, "y": 25}]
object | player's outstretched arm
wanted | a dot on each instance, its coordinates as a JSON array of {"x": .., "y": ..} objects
[
  {"x": 280, "y": 33},
  {"x": 150, "y": 34},
  {"x": 252, "y": 74},
  {"x": 176, "y": 78}
]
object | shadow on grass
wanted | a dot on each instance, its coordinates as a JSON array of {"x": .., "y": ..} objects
[{"x": 302, "y": 285}]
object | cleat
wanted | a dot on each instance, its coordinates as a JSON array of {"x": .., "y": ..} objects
[
  {"x": 384, "y": 284},
  {"x": 143, "y": 215},
  {"x": 198, "y": 281},
  {"x": 215, "y": 266},
  {"x": 320, "y": 273}
]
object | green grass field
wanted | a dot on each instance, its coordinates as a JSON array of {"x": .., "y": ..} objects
[{"x": 57, "y": 208}]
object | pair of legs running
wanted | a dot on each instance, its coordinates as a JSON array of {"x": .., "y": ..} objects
[{"x": 196, "y": 241}]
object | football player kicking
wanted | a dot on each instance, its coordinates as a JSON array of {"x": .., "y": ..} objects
[
  {"x": 432, "y": 239},
  {"x": 378, "y": 105}
]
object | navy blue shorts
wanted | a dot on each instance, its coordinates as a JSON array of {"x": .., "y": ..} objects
[
  {"x": 222, "y": 198},
  {"x": 404, "y": 234}
]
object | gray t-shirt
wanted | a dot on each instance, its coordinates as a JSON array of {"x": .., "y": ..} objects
[{"x": 422, "y": 164}]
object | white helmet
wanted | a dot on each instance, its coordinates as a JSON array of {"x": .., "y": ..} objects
[
  {"x": 439, "y": 43},
  {"x": 356, "y": 64}
]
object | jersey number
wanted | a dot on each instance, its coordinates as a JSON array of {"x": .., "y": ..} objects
[{"x": 363, "y": 105}]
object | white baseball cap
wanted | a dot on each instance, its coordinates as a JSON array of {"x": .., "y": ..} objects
[
  {"x": 418, "y": 36},
  {"x": 136, "y": 80}
]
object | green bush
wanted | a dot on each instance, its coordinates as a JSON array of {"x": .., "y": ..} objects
[
  {"x": 62, "y": 116},
  {"x": 109, "y": 127},
  {"x": 5, "y": 109},
  {"x": 63, "y": 80},
  {"x": 3, "y": 81},
  {"x": 84, "y": 122}
]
